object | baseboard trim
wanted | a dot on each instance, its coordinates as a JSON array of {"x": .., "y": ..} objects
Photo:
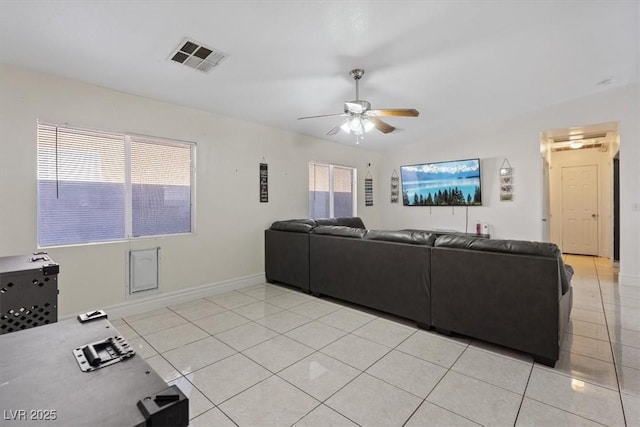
[
  {"x": 130, "y": 308},
  {"x": 624, "y": 279}
]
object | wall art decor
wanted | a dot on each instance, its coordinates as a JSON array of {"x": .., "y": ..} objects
[
  {"x": 395, "y": 187},
  {"x": 506, "y": 182}
]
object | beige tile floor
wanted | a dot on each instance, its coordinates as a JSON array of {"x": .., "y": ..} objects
[{"x": 268, "y": 355}]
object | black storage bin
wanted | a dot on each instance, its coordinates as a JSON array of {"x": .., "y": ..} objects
[{"x": 28, "y": 291}]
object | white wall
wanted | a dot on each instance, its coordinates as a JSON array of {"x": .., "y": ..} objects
[
  {"x": 229, "y": 239},
  {"x": 228, "y": 243},
  {"x": 584, "y": 157},
  {"x": 518, "y": 140}
]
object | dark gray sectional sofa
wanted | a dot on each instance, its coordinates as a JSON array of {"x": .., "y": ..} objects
[
  {"x": 387, "y": 271},
  {"x": 512, "y": 293}
]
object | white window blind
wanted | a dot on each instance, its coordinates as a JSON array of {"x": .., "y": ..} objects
[
  {"x": 96, "y": 186},
  {"x": 343, "y": 191},
  {"x": 332, "y": 191},
  {"x": 161, "y": 188}
]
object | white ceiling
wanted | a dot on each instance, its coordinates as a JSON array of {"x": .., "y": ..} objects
[{"x": 459, "y": 63}]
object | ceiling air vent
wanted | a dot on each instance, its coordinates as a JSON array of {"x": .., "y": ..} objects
[{"x": 197, "y": 56}]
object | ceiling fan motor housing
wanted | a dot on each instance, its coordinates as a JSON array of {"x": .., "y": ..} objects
[
  {"x": 357, "y": 73},
  {"x": 356, "y": 107}
]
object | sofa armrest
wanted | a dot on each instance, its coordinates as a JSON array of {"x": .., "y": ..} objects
[{"x": 286, "y": 258}]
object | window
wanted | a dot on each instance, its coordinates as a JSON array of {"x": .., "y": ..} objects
[
  {"x": 332, "y": 191},
  {"x": 96, "y": 186}
]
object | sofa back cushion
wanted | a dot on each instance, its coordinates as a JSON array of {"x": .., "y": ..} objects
[
  {"x": 402, "y": 236},
  {"x": 548, "y": 250},
  {"x": 294, "y": 225},
  {"x": 520, "y": 247},
  {"x": 354, "y": 222},
  {"x": 340, "y": 231}
]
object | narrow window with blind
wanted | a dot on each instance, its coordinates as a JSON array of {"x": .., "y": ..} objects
[
  {"x": 96, "y": 186},
  {"x": 332, "y": 191}
]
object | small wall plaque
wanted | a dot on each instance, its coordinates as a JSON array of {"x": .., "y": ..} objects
[
  {"x": 368, "y": 190},
  {"x": 264, "y": 183}
]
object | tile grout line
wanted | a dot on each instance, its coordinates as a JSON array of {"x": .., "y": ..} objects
[
  {"x": 322, "y": 402},
  {"x": 181, "y": 375},
  {"x": 615, "y": 364},
  {"x": 564, "y": 410},
  {"x": 467, "y": 346},
  {"x": 618, "y": 391},
  {"x": 524, "y": 394},
  {"x": 276, "y": 374},
  {"x": 363, "y": 372},
  {"x": 211, "y": 409},
  {"x": 436, "y": 386},
  {"x": 272, "y": 374}
]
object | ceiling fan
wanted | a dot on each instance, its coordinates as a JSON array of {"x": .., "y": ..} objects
[{"x": 360, "y": 118}]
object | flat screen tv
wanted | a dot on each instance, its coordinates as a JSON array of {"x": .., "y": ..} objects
[{"x": 454, "y": 183}]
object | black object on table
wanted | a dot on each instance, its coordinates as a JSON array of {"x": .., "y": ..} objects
[
  {"x": 41, "y": 382},
  {"x": 28, "y": 291}
]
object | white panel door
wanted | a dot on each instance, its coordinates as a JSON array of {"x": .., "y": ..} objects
[{"x": 580, "y": 210}]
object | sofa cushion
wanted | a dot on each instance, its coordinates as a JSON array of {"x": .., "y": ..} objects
[
  {"x": 353, "y": 222},
  {"x": 547, "y": 250},
  {"x": 339, "y": 230},
  {"x": 402, "y": 236},
  {"x": 295, "y": 225},
  {"x": 522, "y": 247}
]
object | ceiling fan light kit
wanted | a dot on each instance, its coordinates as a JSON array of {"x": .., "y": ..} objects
[{"x": 361, "y": 118}]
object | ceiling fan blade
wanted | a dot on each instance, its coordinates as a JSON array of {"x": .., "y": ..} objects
[
  {"x": 383, "y": 127},
  {"x": 322, "y": 115},
  {"x": 398, "y": 112}
]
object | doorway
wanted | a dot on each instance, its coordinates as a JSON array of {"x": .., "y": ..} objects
[
  {"x": 579, "y": 185},
  {"x": 580, "y": 210}
]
